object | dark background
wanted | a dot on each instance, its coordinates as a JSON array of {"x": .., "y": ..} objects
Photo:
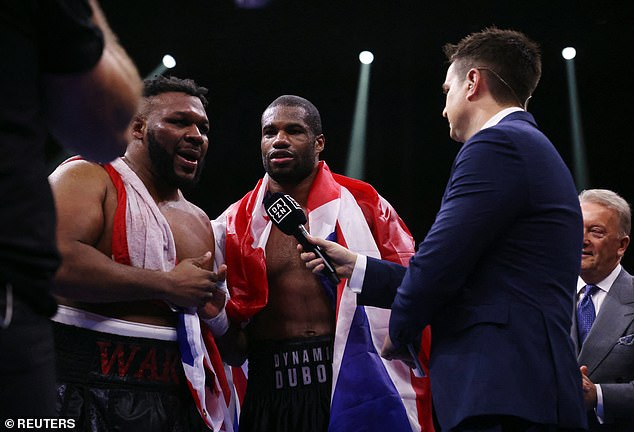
[{"x": 248, "y": 57}]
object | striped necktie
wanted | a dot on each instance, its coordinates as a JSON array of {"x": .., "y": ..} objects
[{"x": 586, "y": 313}]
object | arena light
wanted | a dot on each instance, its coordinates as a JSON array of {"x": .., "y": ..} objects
[
  {"x": 167, "y": 62},
  {"x": 355, "y": 165},
  {"x": 252, "y": 4},
  {"x": 366, "y": 57},
  {"x": 580, "y": 165},
  {"x": 569, "y": 53}
]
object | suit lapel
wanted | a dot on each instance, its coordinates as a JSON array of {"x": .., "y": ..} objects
[
  {"x": 574, "y": 332},
  {"x": 615, "y": 315}
]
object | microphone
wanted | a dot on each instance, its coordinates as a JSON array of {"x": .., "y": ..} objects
[
  {"x": 289, "y": 217},
  {"x": 418, "y": 368}
]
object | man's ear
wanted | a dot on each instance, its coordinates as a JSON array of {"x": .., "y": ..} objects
[
  {"x": 137, "y": 127},
  {"x": 625, "y": 242},
  {"x": 320, "y": 143},
  {"x": 473, "y": 78}
]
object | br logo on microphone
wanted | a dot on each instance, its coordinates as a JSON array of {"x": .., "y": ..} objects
[{"x": 281, "y": 207}]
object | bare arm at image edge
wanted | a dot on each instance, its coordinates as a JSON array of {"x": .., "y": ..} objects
[{"x": 89, "y": 112}]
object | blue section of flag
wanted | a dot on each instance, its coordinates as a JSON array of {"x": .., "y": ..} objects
[
  {"x": 183, "y": 344},
  {"x": 360, "y": 403}
]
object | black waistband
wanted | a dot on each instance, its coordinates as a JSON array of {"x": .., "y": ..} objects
[
  {"x": 87, "y": 356},
  {"x": 291, "y": 364}
]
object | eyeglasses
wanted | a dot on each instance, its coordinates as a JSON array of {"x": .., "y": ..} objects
[{"x": 523, "y": 105}]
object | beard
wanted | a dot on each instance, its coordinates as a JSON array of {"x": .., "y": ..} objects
[
  {"x": 299, "y": 169},
  {"x": 163, "y": 164}
]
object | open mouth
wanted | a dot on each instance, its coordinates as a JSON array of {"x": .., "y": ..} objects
[{"x": 188, "y": 157}]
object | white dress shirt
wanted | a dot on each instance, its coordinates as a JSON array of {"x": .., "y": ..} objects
[
  {"x": 597, "y": 300},
  {"x": 358, "y": 272}
]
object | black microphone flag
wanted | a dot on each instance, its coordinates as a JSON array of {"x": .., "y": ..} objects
[{"x": 289, "y": 217}]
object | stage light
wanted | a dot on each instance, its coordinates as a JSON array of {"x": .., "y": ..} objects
[
  {"x": 366, "y": 57},
  {"x": 355, "y": 165},
  {"x": 169, "y": 61},
  {"x": 568, "y": 53},
  {"x": 252, "y": 4},
  {"x": 580, "y": 165}
]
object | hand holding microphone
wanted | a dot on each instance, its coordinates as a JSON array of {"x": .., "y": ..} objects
[
  {"x": 342, "y": 259},
  {"x": 289, "y": 217}
]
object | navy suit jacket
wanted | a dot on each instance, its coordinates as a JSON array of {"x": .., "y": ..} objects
[
  {"x": 608, "y": 351},
  {"x": 495, "y": 278}
]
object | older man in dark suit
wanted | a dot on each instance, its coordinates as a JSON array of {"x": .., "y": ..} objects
[{"x": 603, "y": 324}]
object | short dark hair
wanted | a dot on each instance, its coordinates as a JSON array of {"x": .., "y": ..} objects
[
  {"x": 513, "y": 59},
  {"x": 160, "y": 84},
  {"x": 311, "y": 114}
]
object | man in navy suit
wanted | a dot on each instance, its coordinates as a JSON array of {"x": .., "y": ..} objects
[
  {"x": 495, "y": 275},
  {"x": 606, "y": 352}
]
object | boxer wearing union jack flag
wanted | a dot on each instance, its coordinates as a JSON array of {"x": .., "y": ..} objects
[
  {"x": 137, "y": 275},
  {"x": 313, "y": 362}
]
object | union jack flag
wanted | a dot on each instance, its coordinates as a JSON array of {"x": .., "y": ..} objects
[{"x": 369, "y": 393}]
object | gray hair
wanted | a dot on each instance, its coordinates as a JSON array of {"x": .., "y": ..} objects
[{"x": 611, "y": 200}]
